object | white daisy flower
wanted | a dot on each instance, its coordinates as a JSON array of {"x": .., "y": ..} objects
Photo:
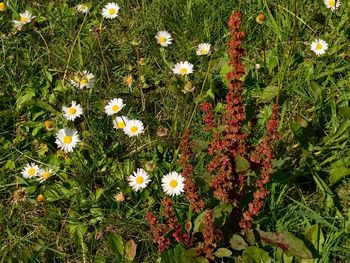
[
  {"x": 24, "y": 18},
  {"x": 120, "y": 122},
  {"x": 67, "y": 139},
  {"x": 45, "y": 174},
  {"x": 133, "y": 128},
  {"x": 82, "y": 8},
  {"x": 332, "y": 4},
  {"x": 72, "y": 112},
  {"x": 173, "y": 183},
  {"x": 203, "y": 49},
  {"x": 163, "y": 38},
  {"x": 110, "y": 11},
  {"x": 183, "y": 68},
  {"x": 139, "y": 180},
  {"x": 114, "y": 106},
  {"x": 83, "y": 79},
  {"x": 30, "y": 170},
  {"x": 319, "y": 46}
]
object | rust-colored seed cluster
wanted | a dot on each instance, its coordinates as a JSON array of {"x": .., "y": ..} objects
[
  {"x": 159, "y": 231},
  {"x": 170, "y": 228},
  {"x": 191, "y": 191},
  {"x": 230, "y": 143},
  {"x": 266, "y": 151},
  {"x": 229, "y": 184},
  {"x": 174, "y": 225},
  {"x": 210, "y": 235}
]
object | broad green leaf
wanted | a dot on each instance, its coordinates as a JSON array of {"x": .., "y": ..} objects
[
  {"x": 272, "y": 62},
  {"x": 238, "y": 243},
  {"x": 281, "y": 257},
  {"x": 336, "y": 174},
  {"x": 345, "y": 111},
  {"x": 222, "y": 253},
  {"x": 241, "y": 164},
  {"x": 198, "y": 226},
  {"x": 255, "y": 255},
  {"x": 289, "y": 243},
  {"x": 24, "y": 97},
  {"x": 315, "y": 235},
  {"x": 116, "y": 243},
  {"x": 46, "y": 106},
  {"x": 269, "y": 93},
  {"x": 199, "y": 145},
  {"x": 202, "y": 260},
  {"x": 192, "y": 252}
]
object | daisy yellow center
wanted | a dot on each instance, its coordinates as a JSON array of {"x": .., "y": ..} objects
[
  {"x": 129, "y": 80},
  {"x": 183, "y": 71},
  {"x": 67, "y": 139},
  {"x": 139, "y": 180},
  {"x": 115, "y": 108},
  {"x": 111, "y": 11},
  {"x": 162, "y": 40},
  {"x": 84, "y": 81},
  {"x": 173, "y": 183},
  {"x": 46, "y": 175},
  {"x": 23, "y": 19},
  {"x": 331, "y": 2},
  {"x": 2, "y": 6},
  {"x": 134, "y": 129},
  {"x": 31, "y": 171},
  {"x": 72, "y": 111},
  {"x": 121, "y": 125},
  {"x": 319, "y": 46},
  {"x": 203, "y": 51}
]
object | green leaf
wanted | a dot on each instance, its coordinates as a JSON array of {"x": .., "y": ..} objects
[
  {"x": 193, "y": 252},
  {"x": 202, "y": 260},
  {"x": 46, "y": 106},
  {"x": 255, "y": 255},
  {"x": 269, "y": 93},
  {"x": 289, "y": 243},
  {"x": 197, "y": 225},
  {"x": 272, "y": 62},
  {"x": 238, "y": 243},
  {"x": 24, "y": 97},
  {"x": 345, "y": 112},
  {"x": 315, "y": 235},
  {"x": 130, "y": 249},
  {"x": 241, "y": 164},
  {"x": 222, "y": 253},
  {"x": 116, "y": 243},
  {"x": 336, "y": 174},
  {"x": 199, "y": 145}
]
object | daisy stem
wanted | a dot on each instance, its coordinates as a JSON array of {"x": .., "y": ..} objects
[
  {"x": 103, "y": 60},
  {"x": 202, "y": 88},
  {"x": 72, "y": 49},
  {"x": 136, "y": 51}
]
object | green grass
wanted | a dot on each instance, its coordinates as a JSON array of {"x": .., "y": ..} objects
[{"x": 80, "y": 221}]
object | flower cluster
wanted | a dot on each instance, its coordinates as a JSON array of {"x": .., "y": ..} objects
[
  {"x": 32, "y": 170},
  {"x": 182, "y": 68},
  {"x": 172, "y": 183}
]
